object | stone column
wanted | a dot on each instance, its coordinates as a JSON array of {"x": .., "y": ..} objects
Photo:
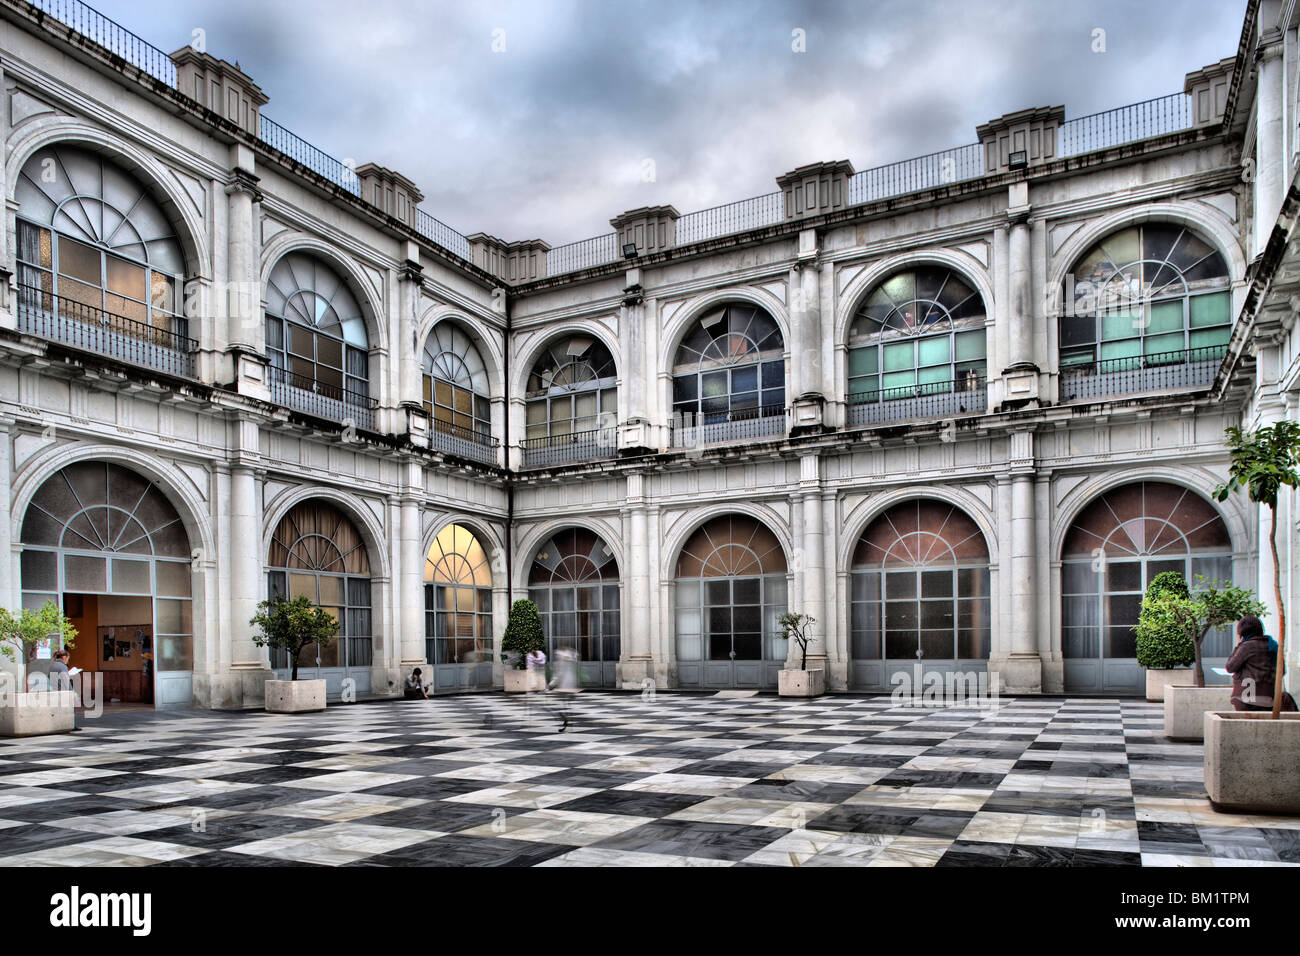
[
  {"x": 410, "y": 279},
  {"x": 249, "y": 665},
  {"x": 10, "y": 551},
  {"x": 242, "y": 298},
  {"x": 408, "y": 583},
  {"x": 1270, "y": 140},
  {"x": 1020, "y": 376},
  {"x": 635, "y": 618},
  {"x": 812, "y": 561},
  {"x": 1022, "y": 671},
  {"x": 807, "y": 390}
]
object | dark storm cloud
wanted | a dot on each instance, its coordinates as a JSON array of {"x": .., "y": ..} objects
[{"x": 550, "y": 137}]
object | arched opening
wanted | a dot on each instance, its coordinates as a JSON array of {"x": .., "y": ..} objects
[
  {"x": 100, "y": 265},
  {"x": 729, "y": 377},
  {"x": 317, "y": 342},
  {"x": 457, "y": 394},
  {"x": 574, "y": 583},
  {"x": 1146, "y": 308},
  {"x": 919, "y": 591},
  {"x": 108, "y": 547},
  {"x": 730, "y": 587},
  {"x": 318, "y": 553},
  {"x": 917, "y": 348},
  {"x": 571, "y": 403},
  {"x": 1113, "y": 549},
  {"x": 458, "y": 610}
]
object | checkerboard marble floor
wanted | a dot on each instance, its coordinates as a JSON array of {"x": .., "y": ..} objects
[{"x": 673, "y": 779}]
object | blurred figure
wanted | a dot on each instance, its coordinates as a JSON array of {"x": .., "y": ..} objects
[
  {"x": 535, "y": 662},
  {"x": 565, "y": 681}
]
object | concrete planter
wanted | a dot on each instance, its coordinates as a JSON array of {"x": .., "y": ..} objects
[
  {"x": 1160, "y": 677},
  {"x": 1185, "y": 709},
  {"x": 796, "y": 683},
  {"x": 38, "y": 713},
  {"x": 522, "y": 681},
  {"x": 1252, "y": 762},
  {"x": 294, "y": 696}
]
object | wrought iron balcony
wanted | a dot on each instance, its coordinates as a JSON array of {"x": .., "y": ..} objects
[
  {"x": 766, "y": 421},
  {"x": 967, "y": 395},
  {"x": 1165, "y": 371},
  {"x": 158, "y": 347},
  {"x": 577, "y": 446},
  {"x": 465, "y": 442},
  {"x": 323, "y": 401}
]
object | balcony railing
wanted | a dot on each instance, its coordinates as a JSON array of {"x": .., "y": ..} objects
[
  {"x": 95, "y": 330},
  {"x": 1164, "y": 114},
  {"x": 303, "y": 152},
  {"x": 582, "y": 254},
  {"x": 913, "y": 175},
  {"x": 112, "y": 36},
  {"x": 466, "y": 443},
  {"x": 733, "y": 217},
  {"x": 1165, "y": 371},
  {"x": 964, "y": 396},
  {"x": 435, "y": 230},
  {"x": 767, "y": 421},
  {"x": 323, "y": 401},
  {"x": 578, "y": 446}
]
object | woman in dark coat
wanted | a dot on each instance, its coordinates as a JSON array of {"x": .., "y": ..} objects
[{"x": 1253, "y": 666}]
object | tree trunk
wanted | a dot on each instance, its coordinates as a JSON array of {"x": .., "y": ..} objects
[
  {"x": 1281, "y": 616},
  {"x": 803, "y": 661},
  {"x": 1200, "y": 669},
  {"x": 293, "y": 674}
]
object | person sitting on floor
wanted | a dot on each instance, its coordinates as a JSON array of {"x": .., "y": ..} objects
[{"x": 414, "y": 689}]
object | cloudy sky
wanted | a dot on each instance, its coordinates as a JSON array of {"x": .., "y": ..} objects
[{"x": 544, "y": 118}]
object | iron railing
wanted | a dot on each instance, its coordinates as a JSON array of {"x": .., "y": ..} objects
[
  {"x": 466, "y": 443},
  {"x": 435, "y": 230},
  {"x": 766, "y": 421},
  {"x": 582, "y": 254},
  {"x": 112, "y": 36},
  {"x": 304, "y": 153},
  {"x": 1157, "y": 117},
  {"x": 330, "y": 402},
  {"x": 913, "y": 175},
  {"x": 578, "y": 446},
  {"x": 739, "y": 216},
  {"x": 95, "y": 330},
  {"x": 1164, "y": 371},
  {"x": 967, "y": 395}
]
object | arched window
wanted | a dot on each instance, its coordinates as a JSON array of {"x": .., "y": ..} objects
[
  {"x": 571, "y": 400},
  {"x": 1151, "y": 291},
  {"x": 456, "y": 385},
  {"x": 457, "y": 599},
  {"x": 574, "y": 583},
  {"x": 317, "y": 553},
  {"x": 920, "y": 583},
  {"x": 729, "y": 367},
  {"x": 315, "y": 330},
  {"x": 1112, "y": 551},
  {"x": 920, "y": 332},
  {"x": 99, "y": 262},
  {"x": 730, "y": 589}
]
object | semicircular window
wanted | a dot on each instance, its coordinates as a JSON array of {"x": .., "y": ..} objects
[
  {"x": 1150, "y": 294},
  {"x": 574, "y": 583},
  {"x": 315, "y": 330},
  {"x": 920, "y": 332},
  {"x": 99, "y": 261},
  {"x": 457, "y": 599},
  {"x": 729, "y": 368},
  {"x": 456, "y": 389},
  {"x": 571, "y": 396}
]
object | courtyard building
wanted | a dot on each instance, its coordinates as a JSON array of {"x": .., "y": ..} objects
[{"x": 961, "y": 409}]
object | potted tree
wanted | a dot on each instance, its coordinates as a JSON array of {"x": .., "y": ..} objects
[
  {"x": 1214, "y": 604},
  {"x": 1252, "y": 758},
  {"x": 25, "y": 713},
  {"x": 801, "y": 682},
  {"x": 523, "y": 636},
  {"x": 1164, "y": 646},
  {"x": 293, "y": 625}
]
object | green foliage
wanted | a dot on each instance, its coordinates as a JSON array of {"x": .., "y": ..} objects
[
  {"x": 1168, "y": 582},
  {"x": 523, "y": 633},
  {"x": 294, "y": 626},
  {"x": 26, "y": 629},
  {"x": 795, "y": 627},
  {"x": 1163, "y": 636}
]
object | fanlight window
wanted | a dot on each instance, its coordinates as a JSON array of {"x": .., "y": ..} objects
[
  {"x": 91, "y": 235},
  {"x": 571, "y": 389},
  {"x": 921, "y": 331},
  {"x": 317, "y": 553},
  {"x": 729, "y": 367},
  {"x": 920, "y": 586},
  {"x": 1149, "y": 290},
  {"x": 456, "y": 389},
  {"x": 574, "y": 583},
  {"x": 457, "y": 598},
  {"x": 1117, "y": 545},
  {"x": 315, "y": 329}
]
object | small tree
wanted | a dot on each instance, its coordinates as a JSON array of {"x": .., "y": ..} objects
[
  {"x": 523, "y": 633},
  {"x": 293, "y": 626},
  {"x": 795, "y": 627},
  {"x": 1264, "y": 462},
  {"x": 22, "y": 633},
  {"x": 1218, "y": 604},
  {"x": 1163, "y": 637}
]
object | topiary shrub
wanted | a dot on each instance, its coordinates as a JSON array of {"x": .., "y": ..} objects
[
  {"x": 1163, "y": 636},
  {"x": 523, "y": 633}
]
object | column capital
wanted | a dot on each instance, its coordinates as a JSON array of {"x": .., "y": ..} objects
[{"x": 243, "y": 182}]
